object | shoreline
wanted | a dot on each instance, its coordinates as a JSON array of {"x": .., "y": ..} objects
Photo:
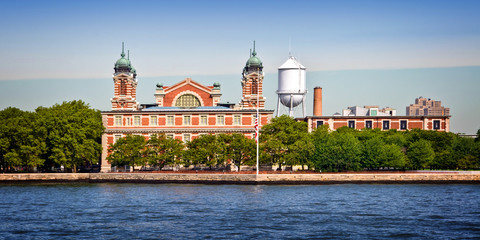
[{"x": 247, "y": 179}]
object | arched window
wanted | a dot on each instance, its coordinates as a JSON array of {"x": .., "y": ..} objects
[
  {"x": 187, "y": 100},
  {"x": 254, "y": 87},
  {"x": 123, "y": 87}
]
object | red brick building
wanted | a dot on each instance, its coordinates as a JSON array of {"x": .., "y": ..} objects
[
  {"x": 401, "y": 123},
  {"x": 184, "y": 110}
]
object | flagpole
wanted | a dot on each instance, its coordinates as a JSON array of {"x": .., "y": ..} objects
[{"x": 258, "y": 102}]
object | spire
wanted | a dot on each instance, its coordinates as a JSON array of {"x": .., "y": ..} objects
[
  {"x": 254, "y": 53},
  {"x": 123, "y": 52},
  {"x": 128, "y": 55}
]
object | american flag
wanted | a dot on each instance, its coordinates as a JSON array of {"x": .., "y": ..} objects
[{"x": 256, "y": 128}]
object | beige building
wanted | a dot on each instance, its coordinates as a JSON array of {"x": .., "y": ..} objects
[{"x": 427, "y": 107}]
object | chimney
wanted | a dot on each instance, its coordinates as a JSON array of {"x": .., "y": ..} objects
[{"x": 317, "y": 101}]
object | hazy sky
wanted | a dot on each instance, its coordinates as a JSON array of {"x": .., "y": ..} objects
[{"x": 361, "y": 52}]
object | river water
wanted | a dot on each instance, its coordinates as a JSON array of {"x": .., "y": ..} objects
[{"x": 183, "y": 211}]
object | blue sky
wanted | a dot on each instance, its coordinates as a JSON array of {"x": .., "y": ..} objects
[{"x": 361, "y": 52}]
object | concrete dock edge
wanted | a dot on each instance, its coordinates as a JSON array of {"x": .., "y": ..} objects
[{"x": 323, "y": 178}]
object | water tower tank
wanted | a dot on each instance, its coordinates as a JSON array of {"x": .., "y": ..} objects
[{"x": 291, "y": 83}]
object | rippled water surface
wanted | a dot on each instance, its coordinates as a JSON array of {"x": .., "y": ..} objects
[{"x": 171, "y": 211}]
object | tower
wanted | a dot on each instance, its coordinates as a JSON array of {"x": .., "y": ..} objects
[
  {"x": 252, "y": 83},
  {"x": 291, "y": 86},
  {"x": 125, "y": 84}
]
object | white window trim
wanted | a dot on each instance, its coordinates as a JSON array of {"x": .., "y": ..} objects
[
  {"x": 167, "y": 123},
  {"x": 200, "y": 120},
  {"x": 216, "y": 120},
  {"x": 156, "y": 120},
  {"x": 389, "y": 124},
  {"x": 116, "y": 137},
  {"x": 139, "y": 122},
  {"x": 190, "y": 120},
  {"x": 371, "y": 121},
  {"x": 400, "y": 124},
  {"x": 237, "y": 116},
  {"x": 189, "y": 137},
  {"x": 354, "y": 123},
  {"x": 115, "y": 121}
]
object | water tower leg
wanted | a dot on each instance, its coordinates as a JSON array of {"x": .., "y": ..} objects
[
  {"x": 278, "y": 105},
  {"x": 291, "y": 105},
  {"x": 304, "y": 106}
]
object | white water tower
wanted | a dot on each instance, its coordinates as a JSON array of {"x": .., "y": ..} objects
[{"x": 291, "y": 86}]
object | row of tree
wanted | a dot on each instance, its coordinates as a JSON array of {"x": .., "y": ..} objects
[
  {"x": 285, "y": 142},
  {"x": 67, "y": 135}
]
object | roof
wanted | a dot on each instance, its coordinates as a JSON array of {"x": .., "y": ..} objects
[
  {"x": 292, "y": 63},
  {"x": 183, "y": 110}
]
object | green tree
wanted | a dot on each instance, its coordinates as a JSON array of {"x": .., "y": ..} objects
[
  {"x": 392, "y": 156},
  {"x": 21, "y": 144},
  {"x": 240, "y": 149},
  {"x": 338, "y": 152},
  {"x": 420, "y": 154},
  {"x": 465, "y": 152},
  {"x": 204, "y": 150},
  {"x": 73, "y": 133},
  {"x": 371, "y": 151},
  {"x": 128, "y": 151},
  {"x": 301, "y": 152},
  {"x": 279, "y": 136},
  {"x": 161, "y": 151}
]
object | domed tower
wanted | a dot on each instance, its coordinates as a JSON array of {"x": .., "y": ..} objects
[
  {"x": 125, "y": 84},
  {"x": 252, "y": 83}
]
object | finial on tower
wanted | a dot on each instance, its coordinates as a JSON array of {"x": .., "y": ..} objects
[
  {"x": 128, "y": 54},
  {"x": 254, "y": 53},
  {"x": 123, "y": 52}
]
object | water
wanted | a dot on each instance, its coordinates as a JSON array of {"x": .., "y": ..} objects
[{"x": 174, "y": 211}]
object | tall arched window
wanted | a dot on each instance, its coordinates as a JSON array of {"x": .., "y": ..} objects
[
  {"x": 123, "y": 87},
  {"x": 187, "y": 100},
  {"x": 254, "y": 87}
]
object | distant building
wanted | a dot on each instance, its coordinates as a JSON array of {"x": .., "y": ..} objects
[
  {"x": 369, "y": 111},
  {"x": 370, "y": 117},
  {"x": 427, "y": 107}
]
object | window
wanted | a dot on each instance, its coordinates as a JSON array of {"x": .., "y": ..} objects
[
  {"x": 203, "y": 120},
  {"x": 187, "y": 100},
  {"x": 186, "y": 137},
  {"x": 128, "y": 121},
  {"x": 170, "y": 120},
  {"x": 351, "y": 123},
  {"x": 237, "y": 120},
  {"x": 254, "y": 86},
  {"x": 170, "y": 135},
  {"x": 153, "y": 121},
  {"x": 403, "y": 124},
  {"x": 116, "y": 137},
  {"x": 220, "y": 120},
  {"x": 187, "y": 120},
  {"x": 123, "y": 87},
  {"x": 386, "y": 125},
  {"x": 373, "y": 112},
  {"x": 136, "y": 120},
  {"x": 118, "y": 120},
  {"x": 436, "y": 124},
  {"x": 319, "y": 123},
  {"x": 368, "y": 124}
]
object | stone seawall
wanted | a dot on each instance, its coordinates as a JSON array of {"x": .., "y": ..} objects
[{"x": 324, "y": 178}]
